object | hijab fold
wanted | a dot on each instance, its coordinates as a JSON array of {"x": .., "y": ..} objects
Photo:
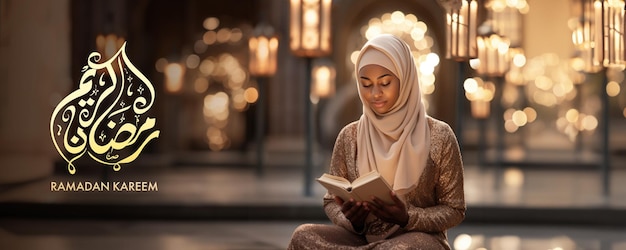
[{"x": 396, "y": 143}]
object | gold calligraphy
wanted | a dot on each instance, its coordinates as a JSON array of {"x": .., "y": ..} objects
[{"x": 106, "y": 117}]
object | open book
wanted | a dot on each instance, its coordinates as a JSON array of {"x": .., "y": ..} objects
[{"x": 361, "y": 189}]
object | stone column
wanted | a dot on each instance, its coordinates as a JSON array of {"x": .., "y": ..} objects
[
  {"x": 286, "y": 127},
  {"x": 34, "y": 77}
]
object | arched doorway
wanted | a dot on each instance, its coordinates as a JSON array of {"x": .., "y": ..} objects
[{"x": 420, "y": 24}]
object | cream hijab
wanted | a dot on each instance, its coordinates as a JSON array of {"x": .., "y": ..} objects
[{"x": 396, "y": 143}]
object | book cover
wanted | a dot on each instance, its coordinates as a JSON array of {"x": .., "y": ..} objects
[{"x": 361, "y": 189}]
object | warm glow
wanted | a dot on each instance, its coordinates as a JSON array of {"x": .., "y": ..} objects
[
  {"x": 479, "y": 94},
  {"x": 470, "y": 85},
  {"x": 514, "y": 119},
  {"x": 480, "y": 109},
  {"x": 531, "y": 114},
  {"x": 212, "y": 64},
  {"x": 493, "y": 55},
  {"x": 211, "y": 23},
  {"x": 477, "y": 90},
  {"x": 510, "y": 94},
  {"x": 519, "y": 60},
  {"x": 519, "y": 118},
  {"x": 207, "y": 67},
  {"x": 508, "y": 114},
  {"x": 174, "y": 73},
  {"x": 353, "y": 56},
  {"x": 201, "y": 85},
  {"x": 544, "y": 98},
  {"x": 192, "y": 61},
  {"x": 236, "y": 35},
  {"x": 506, "y": 18},
  {"x": 209, "y": 37},
  {"x": 223, "y": 35},
  {"x": 572, "y": 115},
  {"x": 216, "y": 106},
  {"x": 543, "y": 83},
  {"x": 599, "y": 35},
  {"x": 551, "y": 80},
  {"x": 263, "y": 55},
  {"x": 217, "y": 138},
  {"x": 160, "y": 65},
  {"x": 506, "y": 242},
  {"x": 461, "y": 25},
  {"x": 323, "y": 81},
  {"x": 251, "y": 95},
  {"x": 613, "y": 25},
  {"x": 474, "y": 63},
  {"x": 310, "y": 27},
  {"x": 510, "y": 126},
  {"x": 612, "y": 88},
  {"x": 513, "y": 177},
  {"x": 589, "y": 123},
  {"x": 239, "y": 100},
  {"x": 108, "y": 45},
  {"x": 463, "y": 242}
]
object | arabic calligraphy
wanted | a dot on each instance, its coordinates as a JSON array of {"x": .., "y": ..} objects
[{"x": 93, "y": 119}]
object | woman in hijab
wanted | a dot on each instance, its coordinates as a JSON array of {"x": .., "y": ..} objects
[{"x": 416, "y": 154}]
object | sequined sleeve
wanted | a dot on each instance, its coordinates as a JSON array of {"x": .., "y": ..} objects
[
  {"x": 343, "y": 151},
  {"x": 435, "y": 205},
  {"x": 449, "y": 207}
]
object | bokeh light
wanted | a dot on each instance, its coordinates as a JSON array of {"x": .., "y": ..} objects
[
  {"x": 211, "y": 23},
  {"x": 613, "y": 89}
]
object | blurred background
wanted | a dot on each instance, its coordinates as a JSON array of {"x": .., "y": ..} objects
[{"x": 250, "y": 95}]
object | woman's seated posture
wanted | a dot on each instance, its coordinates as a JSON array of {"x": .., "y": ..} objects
[{"x": 416, "y": 154}]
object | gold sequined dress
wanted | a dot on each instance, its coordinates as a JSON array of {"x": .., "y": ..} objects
[{"x": 435, "y": 205}]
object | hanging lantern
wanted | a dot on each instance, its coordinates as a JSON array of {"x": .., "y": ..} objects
[
  {"x": 518, "y": 60},
  {"x": 323, "y": 79},
  {"x": 506, "y": 18},
  {"x": 461, "y": 16},
  {"x": 174, "y": 76},
  {"x": 599, "y": 34},
  {"x": 584, "y": 38},
  {"x": 480, "y": 94},
  {"x": 263, "y": 47},
  {"x": 310, "y": 28},
  {"x": 611, "y": 12},
  {"x": 493, "y": 55}
]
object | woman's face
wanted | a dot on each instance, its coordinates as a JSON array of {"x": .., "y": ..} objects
[{"x": 379, "y": 87}]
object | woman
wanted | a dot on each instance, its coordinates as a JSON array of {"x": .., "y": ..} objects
[{"x": 415, "y": 153}]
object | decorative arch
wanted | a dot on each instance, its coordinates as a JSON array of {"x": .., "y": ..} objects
[{"x": 348, "y": 18}]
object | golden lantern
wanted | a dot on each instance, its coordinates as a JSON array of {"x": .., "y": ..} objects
[
  {"x": 461, "y": 27},
  {"x": 480, "y": 94},
  {"x": 263, "y": 47},
  {"x": 493, "y": 54},
  {"x": 599, "y": 34},
  {"x": 611, "y": 14},
  {"x": 309, "y": 34},
  {"x": 323, "y": 80},
  {"x": 584, "y": 38},
  {"x": 517, "y": 62},
  {"x": 506, "y": 18},
  {"x": 174, "y": 76},
  {"x": 310, "y": 27}
]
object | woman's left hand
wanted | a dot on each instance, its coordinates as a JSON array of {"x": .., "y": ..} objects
[{"x": 395, "y": 213}]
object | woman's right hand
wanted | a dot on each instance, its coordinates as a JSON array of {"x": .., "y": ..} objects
[{"x": 355, "y": 212}]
